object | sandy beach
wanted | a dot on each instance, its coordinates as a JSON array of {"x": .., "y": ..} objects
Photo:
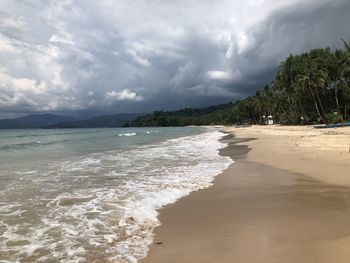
[{"x": 285, "y": 199}]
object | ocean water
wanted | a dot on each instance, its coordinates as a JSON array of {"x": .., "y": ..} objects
[{"x": 92, "y": 195}]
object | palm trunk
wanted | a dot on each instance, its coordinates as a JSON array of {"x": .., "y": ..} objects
[
  {"x": 320, "y": 104},
  {"x": 336, "y": 98},
  {"x": 300, "y": 115},
  {"x": 301, "y": 108},
  {"x": 255, "y": 120},
  {"x": 316, "y": 106}
]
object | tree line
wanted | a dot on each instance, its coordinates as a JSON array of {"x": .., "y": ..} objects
[{"x": 313, "y": 87}]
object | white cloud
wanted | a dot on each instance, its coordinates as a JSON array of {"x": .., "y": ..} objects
[
  {"x": 218, "y": 75},
  {"x": 64, "y": 39},
  {"x": 125, "y": 94},
  {"x": 138, "y": 59},
  {"x": 242, "y": 42}
]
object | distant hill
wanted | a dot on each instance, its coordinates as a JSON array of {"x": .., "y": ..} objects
[
  {"x": 189, "y": 116},
  {"x": 116, "y": 120},
  {"x": 33, "y": 121}
]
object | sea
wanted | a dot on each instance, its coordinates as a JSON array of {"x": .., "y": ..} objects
[{"x": 93, "y": 195}]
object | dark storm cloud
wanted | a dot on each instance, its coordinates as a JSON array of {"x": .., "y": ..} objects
[
  {"x": 290, "y": 30},
  {"x": 123, "y": 56}
]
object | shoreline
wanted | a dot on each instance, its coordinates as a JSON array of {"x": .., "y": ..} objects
[{"x": 258, "y": 207}]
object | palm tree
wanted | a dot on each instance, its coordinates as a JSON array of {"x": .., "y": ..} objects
[
  {"x": 346, "y": 60},
  {"x": 314, "y": 79},
  {"x": 344, "y": 72}
]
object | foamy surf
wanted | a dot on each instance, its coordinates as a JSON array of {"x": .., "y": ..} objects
[
  {"x": 127, "y": 134},
  {"x": 104, "y": 206}
]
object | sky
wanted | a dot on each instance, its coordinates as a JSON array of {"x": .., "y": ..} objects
[{"x": 91, "y": 57}]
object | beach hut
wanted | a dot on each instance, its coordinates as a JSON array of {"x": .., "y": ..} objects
[{"x": 269, "y": 120}]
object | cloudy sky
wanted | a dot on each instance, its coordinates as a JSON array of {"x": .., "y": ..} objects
[{"x": 114, "y": 56}]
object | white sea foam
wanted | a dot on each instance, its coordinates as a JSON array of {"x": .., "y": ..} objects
[
  {"x": 151, "y": 132},
  {"x": 127, "y": 134},
  {"x": 106, "y": 204}
]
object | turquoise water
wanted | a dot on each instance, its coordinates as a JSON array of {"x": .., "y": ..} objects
[
  {"x": 38, "y": 146},
  {"x": 92, "y": 195}
]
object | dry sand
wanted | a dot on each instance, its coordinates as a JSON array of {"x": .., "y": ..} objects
[
  {"x": 323, "y": 154},
  {"x": 285, "y": 199}
]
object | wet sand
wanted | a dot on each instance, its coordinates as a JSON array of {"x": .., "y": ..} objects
[{"x": 257, "y": 213}]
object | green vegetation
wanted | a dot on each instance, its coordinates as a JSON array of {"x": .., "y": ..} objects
[
  {"x": 185, "y": 117},
  {"x": 313, "y": 87}
]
